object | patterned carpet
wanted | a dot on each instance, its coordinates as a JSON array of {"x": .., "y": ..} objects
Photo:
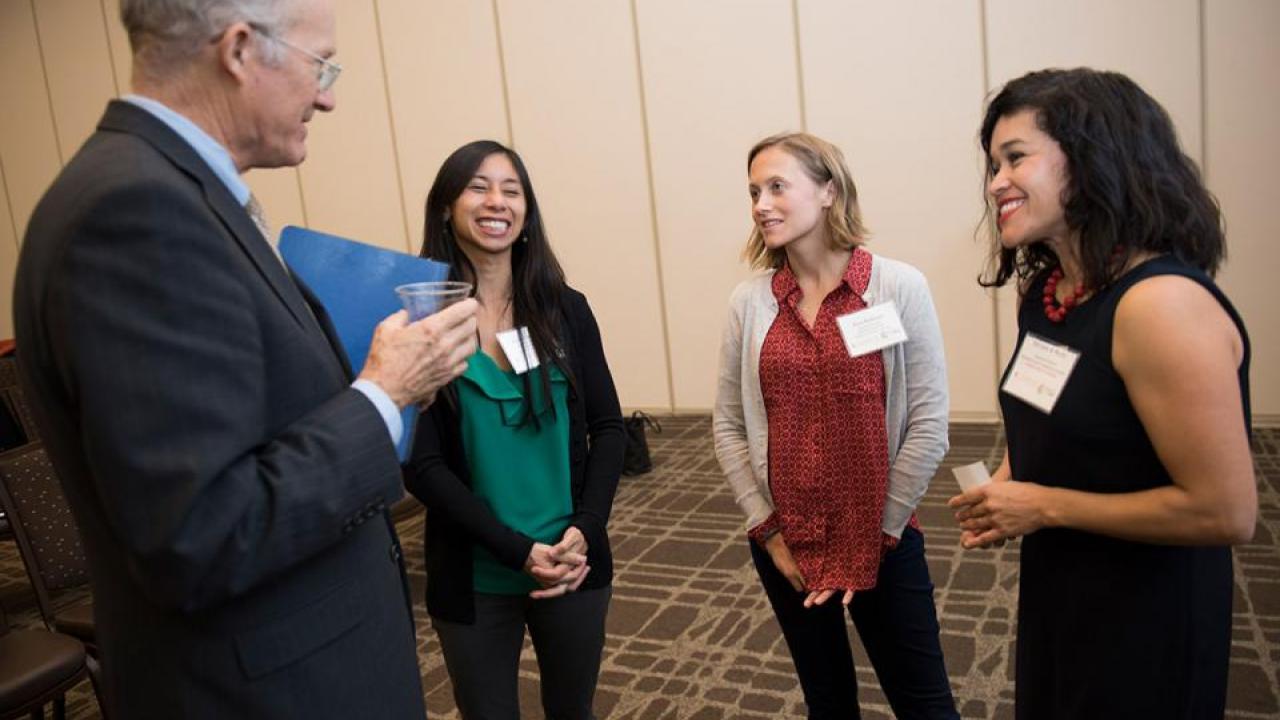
[{"x": 692, "y": 637}]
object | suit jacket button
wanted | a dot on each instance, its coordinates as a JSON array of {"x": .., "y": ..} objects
[{"x": 395, "y": 553}]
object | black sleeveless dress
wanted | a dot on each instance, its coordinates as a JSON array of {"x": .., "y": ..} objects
[{"x": 1109, "y": 628}]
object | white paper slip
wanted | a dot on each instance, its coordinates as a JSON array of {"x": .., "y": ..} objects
[
  {"x": 871, "y": 329},
  {"x": 518, "y": 347},
  {"x": 971, "y": 476},
  {"x": 1040, "y": 371}
]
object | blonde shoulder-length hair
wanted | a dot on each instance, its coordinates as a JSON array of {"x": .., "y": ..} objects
[{"x": 823, "y": 163}]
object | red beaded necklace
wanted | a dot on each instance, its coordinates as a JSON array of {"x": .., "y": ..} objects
[
  {"x": 1052, "y": 310},
  {"x": 1058, "y": 312}
]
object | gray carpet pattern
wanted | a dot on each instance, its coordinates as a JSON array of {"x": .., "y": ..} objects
[{"x": 691, "y": 636}]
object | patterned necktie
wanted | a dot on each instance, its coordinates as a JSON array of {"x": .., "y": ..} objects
[{"x": 254, "y": 208}]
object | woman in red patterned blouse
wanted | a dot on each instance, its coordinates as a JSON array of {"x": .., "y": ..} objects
[{"x": 831, "y": 417}]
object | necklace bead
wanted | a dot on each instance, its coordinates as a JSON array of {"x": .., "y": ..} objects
[{"x": 1052, "y": 309}]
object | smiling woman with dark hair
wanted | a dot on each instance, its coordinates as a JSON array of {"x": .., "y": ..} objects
[
  {"x": 1126, "y": 405},
  {"x": 518, "y": 462}
]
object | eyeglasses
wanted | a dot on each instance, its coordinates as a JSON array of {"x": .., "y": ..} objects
[{"x": 329, "y": 70}]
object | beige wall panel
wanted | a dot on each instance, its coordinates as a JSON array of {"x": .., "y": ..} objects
[
  {"x": 921, "y": 111},
  {"x": 1242, "y": 153},
  {"x": 28, "y": 145},
  {"x": 718, "y": 76},
  {"x": 576, "y": 118},
  {"x": 1155, "y": 42},
  {"x": 349, "y": 180},
  {"x": 77, "y": 61},
  {"x": 118, "y": 40},
  {"x": 436, "y": 107},
  {"x": 8, "y": 262}
]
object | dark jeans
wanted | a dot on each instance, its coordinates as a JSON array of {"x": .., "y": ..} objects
[
  {"x": 484, "y": 658},
  {"x": 898, "y": 625}
]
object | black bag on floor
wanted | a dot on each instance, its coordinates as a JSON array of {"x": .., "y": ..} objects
[{"x": 636, "y": 460}]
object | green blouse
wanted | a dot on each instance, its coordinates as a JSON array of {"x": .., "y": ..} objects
[{"x": 519, "y": 469}]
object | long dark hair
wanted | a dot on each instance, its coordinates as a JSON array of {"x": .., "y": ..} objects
[
  {"x": 537, "y": 280},
  {"x": 1129, "y": 188}
]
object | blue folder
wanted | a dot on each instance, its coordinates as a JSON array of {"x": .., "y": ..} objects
[{"x": 356, "y": 282}]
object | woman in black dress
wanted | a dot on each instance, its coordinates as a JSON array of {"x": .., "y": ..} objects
[{"x": 1126, "y": 405}]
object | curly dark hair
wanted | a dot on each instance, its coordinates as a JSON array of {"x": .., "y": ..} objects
[{"x": 1129, "y": 188}]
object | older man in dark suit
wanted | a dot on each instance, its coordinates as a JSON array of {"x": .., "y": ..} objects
[{"x": 228, "y": 477}]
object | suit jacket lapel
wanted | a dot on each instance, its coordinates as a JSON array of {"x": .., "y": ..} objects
[{"x": 326, "y": 325}]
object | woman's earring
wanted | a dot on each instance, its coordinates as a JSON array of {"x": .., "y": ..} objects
[{"x": 524, "y": 237}]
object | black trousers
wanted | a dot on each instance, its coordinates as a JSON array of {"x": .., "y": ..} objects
[
  {"x": 898, "y": 625},
  {"x": 484, "y": 658}
]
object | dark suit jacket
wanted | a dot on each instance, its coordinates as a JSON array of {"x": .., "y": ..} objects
[
  {"x": 229, "y": 485},
  {"x": 438, "y": 475}
]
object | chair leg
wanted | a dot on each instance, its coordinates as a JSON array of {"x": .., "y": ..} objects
[{"x": 95, "y": 678}]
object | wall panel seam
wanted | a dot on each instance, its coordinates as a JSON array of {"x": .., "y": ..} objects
[
  {"x": 502, "y": 70},
  {"x": 302, "y": 196},
  {"x": 653, "y": 209},
  {"x": 48, "y": 90},
  {"x": 391, "y": 124},
  {"x": 13, "y": 220},
  {"x": 1204, "y": 92},
  {"x": 795, "y": 26},
  {"x": 106, "y": 30},
  {"x": 993, "y": 293}
]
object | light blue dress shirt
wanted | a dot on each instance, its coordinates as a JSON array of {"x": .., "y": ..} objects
[{"x": 219, "y": 160}]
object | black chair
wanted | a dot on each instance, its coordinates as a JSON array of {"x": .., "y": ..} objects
[
  {"x": 8, "y": 371},
  {"x": 38, "y": 667},
  {"x": 13, "y": 432},
  {"x": 49, "y": 543},
  {"x": 14, "y": 401}
]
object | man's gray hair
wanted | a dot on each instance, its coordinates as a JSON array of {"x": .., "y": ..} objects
[{"x": 167, "y": 33}]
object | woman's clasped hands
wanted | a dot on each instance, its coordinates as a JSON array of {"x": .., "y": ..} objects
[{"x": 558, "y": 568}]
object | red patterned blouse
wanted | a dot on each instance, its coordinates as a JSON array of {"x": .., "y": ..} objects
[{"x": 828, "y": 448}]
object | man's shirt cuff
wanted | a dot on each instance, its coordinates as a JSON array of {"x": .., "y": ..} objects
[{"x": 387, "y": 409}]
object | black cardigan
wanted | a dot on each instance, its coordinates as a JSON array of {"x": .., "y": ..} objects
[{"x": 437, "y": 474}]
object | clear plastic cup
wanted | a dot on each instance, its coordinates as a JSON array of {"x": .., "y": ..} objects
[{"x": 425, "y": 298}]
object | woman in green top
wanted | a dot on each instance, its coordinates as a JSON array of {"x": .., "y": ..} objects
[{"x": 517, "y": 463}]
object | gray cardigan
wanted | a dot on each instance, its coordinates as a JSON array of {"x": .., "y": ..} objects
[{"x": 915, "y": 393}]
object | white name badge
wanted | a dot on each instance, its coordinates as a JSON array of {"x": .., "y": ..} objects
[
  {"x": 874, "y": 328},
  {"x": 971, "y": 476},
  {"x": 518, "y": 347},
  {"x": 1040, "y": 371}
]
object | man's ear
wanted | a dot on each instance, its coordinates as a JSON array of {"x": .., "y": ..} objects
[{"x": 236, "y": 49}]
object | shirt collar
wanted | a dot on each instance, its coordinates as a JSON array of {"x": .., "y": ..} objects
[
  {"x": 211, "y": 151},
  {"x": 857, "y": 275},
  {"x": 784, "y": 283}
]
